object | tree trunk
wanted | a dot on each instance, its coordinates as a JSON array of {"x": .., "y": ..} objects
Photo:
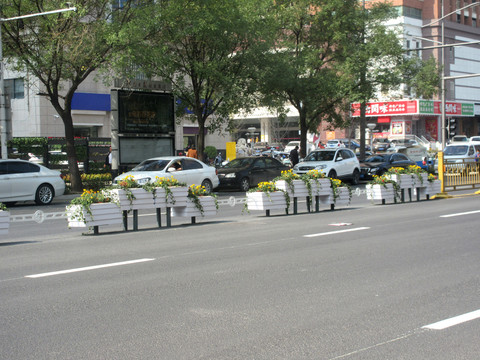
[
  {"x": 75, "y": 178},
  {"x": 201, "y": 137},
  {"x": 303, "y": 133},
  {"x": 363, "y": 108}
]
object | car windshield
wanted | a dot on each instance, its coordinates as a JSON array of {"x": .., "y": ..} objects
[
  {"x": 376, "y": 158},
  {"x": 456, "y": 150},
  {"x": 239, "y": 163},
  {"x": 151, "y": 165},
  {"x": 321, "y": 156}
]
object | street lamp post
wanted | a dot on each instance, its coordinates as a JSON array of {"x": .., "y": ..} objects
[{"x": 3, "y": 101}]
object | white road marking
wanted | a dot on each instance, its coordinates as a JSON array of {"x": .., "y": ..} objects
[
  {"x": 341, "y": 224},
  {"x": 460, "y": 214},
  {"x": 336, "y": 232},
  {"x": 87, "y": 268},
  {"x": 453, "y": 321}
]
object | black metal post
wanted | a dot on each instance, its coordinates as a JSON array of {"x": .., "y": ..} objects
[
  {"x": 125, "y": 220},
  {"x": 169, "y": 217},
  {"x": 135, "y": 220},
  {"x": 159, "y": 217}
]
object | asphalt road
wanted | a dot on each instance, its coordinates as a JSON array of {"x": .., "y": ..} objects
[{"x": 250, "y": 287}]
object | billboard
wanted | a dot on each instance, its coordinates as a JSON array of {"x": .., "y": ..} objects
[{"x": 145, "y": 113}]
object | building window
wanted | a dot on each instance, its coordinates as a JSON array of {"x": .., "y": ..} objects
[
  {"x": 15, "y": 88},
  {"x": 18, "y": 89},
  {"x": 459, "y": 18}
]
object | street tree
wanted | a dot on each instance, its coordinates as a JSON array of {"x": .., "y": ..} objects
[
  {"x": 62, "y": 50},
  {"x": 327, "y": 54},
  {"x": 207, "y": 50},
  {"x": 380, "y": 63}
]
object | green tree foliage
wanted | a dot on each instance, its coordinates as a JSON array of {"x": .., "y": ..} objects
[
  {"x": 206, "y": 49},
  {"x": 327, "y": 54},
  {"x": 62, "y": 50}
]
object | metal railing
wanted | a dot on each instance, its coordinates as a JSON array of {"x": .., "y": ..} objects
[{"x": 461, "y": 173}]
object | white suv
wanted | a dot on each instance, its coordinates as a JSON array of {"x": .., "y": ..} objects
[{"x": 335, "y": 163}]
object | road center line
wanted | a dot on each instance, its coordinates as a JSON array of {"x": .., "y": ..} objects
[
  {"x": 453, "y": 321},
  {"x": 87, "y": 268},
  {"x": 336, "y": 232},
  {"x": 460, "y": 214}
]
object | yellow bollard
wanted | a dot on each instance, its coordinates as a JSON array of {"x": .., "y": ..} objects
[{"x": 441, "y": 177}]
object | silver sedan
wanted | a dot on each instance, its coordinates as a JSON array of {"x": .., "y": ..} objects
[
  {"x": 184, "y": 169},
  {"x": 25, "y": 181}
]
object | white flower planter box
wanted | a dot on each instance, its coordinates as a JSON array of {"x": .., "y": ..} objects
[
  {"x": 4, "y": 222},
  {"x": 431, "y": 189},
  {"x": 191, "y": 210},
  {"x": 321, "y": 187},
  {"x": 420, "y": 181},
  {"x": 380, "y": 192},
  {"x": 101, "y": 214},
  {"x": 159, "y": 200},
  {"x": 434, "y": 187},
  {"x": 404, "y": 181},
  {"x": 263, "y": 201},
  {"x": 142, "y": 199},
  {"x": 178, "y": 197},
  {"x": 299, "y": 188},
  {"x": 343, "y": 197}
]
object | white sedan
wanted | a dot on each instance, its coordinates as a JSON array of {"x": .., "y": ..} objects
[
  {"x": 184, "y": 169},
  {"x": 25, "y": 181}
]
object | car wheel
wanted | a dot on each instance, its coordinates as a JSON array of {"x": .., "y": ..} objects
[
  {"x": 332, "y": 174},
  {"x": 244, "y": 184},
  {"x": 207, "y": 184},
  {"x": 44, "y": 195},
  {"x": 355, "y": 177}
]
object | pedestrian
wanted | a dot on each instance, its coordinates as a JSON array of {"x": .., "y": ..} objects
[
  {"x": 294, "y": 156},
  {"x": 218, "y": 160},
  {"x": 192, "y": 152},
  {"x": 477, "y": 159},
  {"x": 108, "y": 160}
]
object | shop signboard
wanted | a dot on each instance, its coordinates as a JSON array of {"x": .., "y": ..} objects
[
  {"x": 414, "y": 107},
  {"x": 433, "y": 107},
  {"x": 387, "y": 108}
]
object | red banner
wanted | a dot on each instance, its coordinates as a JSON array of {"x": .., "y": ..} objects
[{"x": 388, "y": 108}]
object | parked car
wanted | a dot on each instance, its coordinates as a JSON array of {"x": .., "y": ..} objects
[
  {"x": 335, "y": 163},
  {"x": 187, "y": 170},
  {"x": 348, "y": 143},
  {"x": 246, "y": 172},
  {"x": 275, "y": 146},
  {"x": 380, "y": 144},
  {"x": 291, "y": 145},
  {"x": 459, "y": 139},
  {"x": 259, "y": 147},
  {"x": 378, "y": 164},
  {"x": 331, "y": 144},
  {"x": 22, "y": 180},
  {"x": 475, "y": 139}
]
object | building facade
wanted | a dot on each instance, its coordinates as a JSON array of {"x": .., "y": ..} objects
[{"x": 421, "y": 29}]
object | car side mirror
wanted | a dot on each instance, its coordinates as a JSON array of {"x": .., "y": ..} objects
[{"x": 339, "y": 158}]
